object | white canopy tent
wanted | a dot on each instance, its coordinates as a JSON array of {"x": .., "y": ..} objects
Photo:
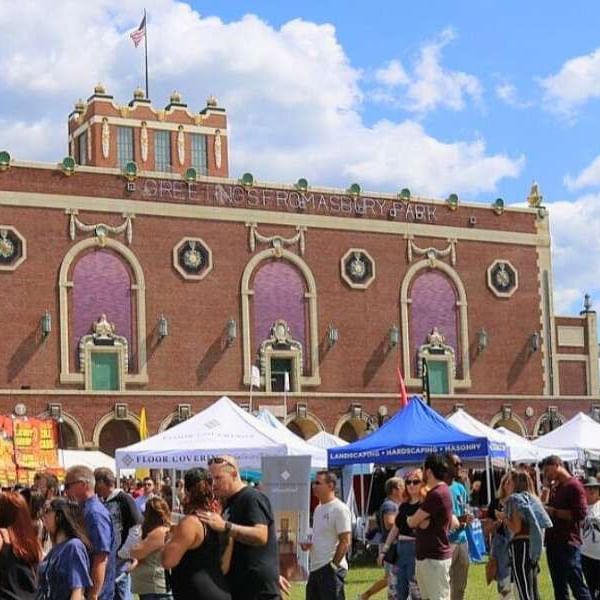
[
  {"x": 467, "y": 424},
  {"x": 326, "y": 440},
  {"x": 581, "y": 434},
  {"x": 295, "y": 444},
  {"x": 93, "y": 459},
  {"x": 522, "y": 450},
  {"x": 222, "y": 428}
]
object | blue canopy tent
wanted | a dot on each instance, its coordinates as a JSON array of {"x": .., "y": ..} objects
[{"x": 410, "y": 435}]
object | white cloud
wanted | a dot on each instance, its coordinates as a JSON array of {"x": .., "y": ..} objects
[
  {"x": 577, "y": 82},
  {"x": 430, "y": 85},
  {"x": 575, "y": 246},
  {"x": 392, "y": 74},
  {"x": 507, "y": 92},
  {"x": 293, "y": 99},
  {"x": 588, "y": 177}
]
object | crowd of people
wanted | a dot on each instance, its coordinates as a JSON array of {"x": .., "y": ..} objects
[
  {"x": 215, "y": 538},
  {"x": 91, "y": 539},
  {"x": 426, "y": 516}
]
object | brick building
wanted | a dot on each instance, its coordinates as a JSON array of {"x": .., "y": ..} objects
[{"x": 135, "y": 273}]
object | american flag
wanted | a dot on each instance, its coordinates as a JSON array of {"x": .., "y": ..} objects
[{"x": 140, "y": 33}]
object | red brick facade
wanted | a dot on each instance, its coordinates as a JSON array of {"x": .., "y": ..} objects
[{"x": 511, "y": 374}]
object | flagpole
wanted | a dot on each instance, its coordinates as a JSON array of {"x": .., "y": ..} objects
[{"x": 146, "y": 54}]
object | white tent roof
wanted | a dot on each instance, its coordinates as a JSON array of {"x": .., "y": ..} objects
[
  {"x": 580, "y": 434},
  {"x": 326, "y": 440},
  {"x": 468, "y": 424},
  {"x": 296, "y": 445},
  {"x": 522, "y": 450},
  {"x": 222, "y": 428},
  {"x": 93, "y": 459}
]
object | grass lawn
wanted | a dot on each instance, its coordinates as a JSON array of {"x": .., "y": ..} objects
[{"x": 360, "y": 578}]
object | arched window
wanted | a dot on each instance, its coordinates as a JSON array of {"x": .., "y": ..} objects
[
  {"x": 279, "y": 293},
  {"x": 102, "y": 316},
  {"x": 101, "y": 285},
  {"x": 279, "y": 321},
  {"x": 434, "y": 327}
]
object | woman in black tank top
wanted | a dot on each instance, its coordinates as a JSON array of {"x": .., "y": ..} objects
[{"x": 197, "y": 558}]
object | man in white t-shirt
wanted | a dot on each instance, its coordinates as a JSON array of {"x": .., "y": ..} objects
[
  {"x": 330, "y": 541},
  {"x": 590, "y": 536}
]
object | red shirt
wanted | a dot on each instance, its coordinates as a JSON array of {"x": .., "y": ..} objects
[
  {"x": 432, "y": 542},
  {"x": 569, "y": 495}
]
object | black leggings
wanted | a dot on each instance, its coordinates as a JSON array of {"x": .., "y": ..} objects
[{"x": 523, "y": 570}]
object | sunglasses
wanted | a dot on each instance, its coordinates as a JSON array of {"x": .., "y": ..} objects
[
  {"x": 458, "y": 464},
  {"x": 318, "y": 482},
  {"x": 149, "y": 484},
  {"x": 413, "y": 482},
  {"x": 68, "y": 484},
  {"x": 219, "y": 460}
]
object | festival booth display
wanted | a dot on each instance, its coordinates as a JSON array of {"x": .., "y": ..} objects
[
  {"x": 27, "y": 445},
  {"x": 222, "y": 428},
  {"x": 524, "y": 451},
  {"x": 225, "y": 428},
  {"x": 410, "y": 435},
  {"x": 581, "y": 435}
]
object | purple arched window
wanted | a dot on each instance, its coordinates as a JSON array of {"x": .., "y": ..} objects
[
  {"x": 279, "y": 294},
  {"x": 433, "y": 304},
  {"x": 101, "y": 285}
]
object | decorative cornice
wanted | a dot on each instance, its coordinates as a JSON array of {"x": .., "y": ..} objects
[
  {"x": 100, "y": 230},
  {"x": 432, "y": 254},
  {"x": 278, "y": 242}
]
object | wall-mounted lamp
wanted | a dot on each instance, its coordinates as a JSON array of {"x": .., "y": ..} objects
[
  {"x": 46, "y": 324},
  {"x": 482, "y": 340},
  {"x": 163, "y": 327},
  {"x": 534, "y": 341},
  {"x": 394, "y": 336},
  {"x": 231, "y": 331},
  {"x": 20, "y": 410},
  {"x": 333, "y": 335}
]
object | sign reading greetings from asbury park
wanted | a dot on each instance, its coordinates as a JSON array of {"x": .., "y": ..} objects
[{"x": 319, "y": 202}]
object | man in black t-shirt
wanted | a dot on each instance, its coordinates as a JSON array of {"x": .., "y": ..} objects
[{"x": 248, "y": 519}]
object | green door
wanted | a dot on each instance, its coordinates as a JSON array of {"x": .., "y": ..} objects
[
  {"x": 438, "y": 376},
  {"x": 105, "y": 371}
]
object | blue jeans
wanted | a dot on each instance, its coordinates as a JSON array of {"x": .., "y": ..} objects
[
  {"x": 123, "y": 587},
  {"x": 405, "y": 566},
  {"x": 564, "y": 563}
]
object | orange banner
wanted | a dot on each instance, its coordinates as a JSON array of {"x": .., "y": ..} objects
[
  {"x": 36, "y": 443},
  {"x": 8, "y": 470}
]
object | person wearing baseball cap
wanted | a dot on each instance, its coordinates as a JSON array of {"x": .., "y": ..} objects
[{"x": 590, "y": 536}]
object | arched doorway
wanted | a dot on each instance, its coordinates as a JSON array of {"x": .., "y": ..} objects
[
  {"x": 352, "y": 429},
  {"x": 117, "y": 434},
  {"x": 67, "y": 437},
  {"x": 305, "y": 428},
  {"x": 511, "y": 425}
]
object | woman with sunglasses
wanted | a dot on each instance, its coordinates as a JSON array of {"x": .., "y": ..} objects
[
  {"x": 148, "y": 578},
  {"x": 65, "y": 572},
  {"x": 196, "y": 555},
  {"x": 404, "y": 536},
  {"x": 20, "y": 550}
]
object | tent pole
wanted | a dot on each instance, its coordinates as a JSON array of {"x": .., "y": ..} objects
[
  {"x": 173, "y": 489},
  {"x": 362, "y": 504},
  {"x": 488, "y": 479}
]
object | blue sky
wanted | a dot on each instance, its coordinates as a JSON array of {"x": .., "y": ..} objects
[{"x": 477, "y": 98}]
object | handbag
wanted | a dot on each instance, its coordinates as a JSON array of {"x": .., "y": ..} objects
[{"x": 391, "y": 556}]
